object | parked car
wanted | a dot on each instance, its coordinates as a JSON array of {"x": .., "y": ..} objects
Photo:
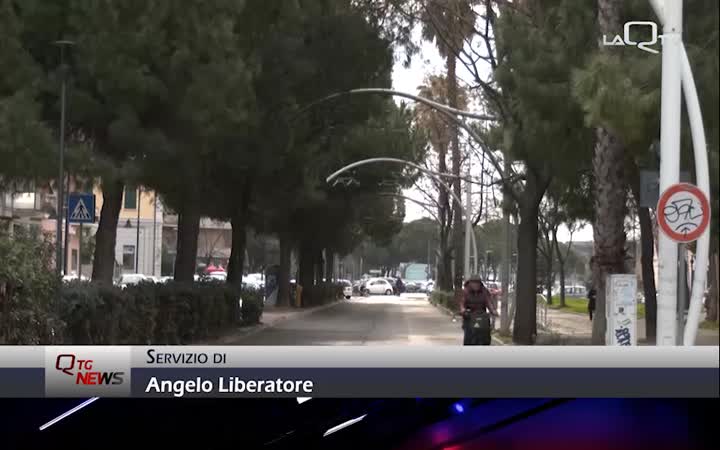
[
  {"x": 378, "y": 286},
  {"x": 129, "y": 279},
  {"x": 393, "y": 283},
  {"x": 412, "y": 286},
  {"x": 253, "y": 280},
  {"x": 430, "y": 286},
  {"x": 494, "y": 287},
  {"x": 217, "y": 275},
  {"x": 74, "y": 277},
  {"x": 347, "y": 288}
]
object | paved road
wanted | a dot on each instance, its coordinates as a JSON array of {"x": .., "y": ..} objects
[{"x": 375, "y": 320}]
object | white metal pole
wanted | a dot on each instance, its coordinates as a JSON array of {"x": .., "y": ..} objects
[
  {"x": 702, "y": 173},
  {"x": 703, "y": 182},
  {"x": 468, "y": 223},
  {"x": 670, "y": 115}
]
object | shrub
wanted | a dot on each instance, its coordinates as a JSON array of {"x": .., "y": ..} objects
[
  {"x": 28, "y": 290},
  {"x": 147, "y": 313},
  {"x": 444, "y": 299},
  {"x": 252, "y": 305}
]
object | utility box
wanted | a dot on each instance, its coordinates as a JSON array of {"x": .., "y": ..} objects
[{"x": 621, "y": 310}]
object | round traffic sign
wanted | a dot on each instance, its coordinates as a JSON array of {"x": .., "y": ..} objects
[{"x": 683, "y": 212}]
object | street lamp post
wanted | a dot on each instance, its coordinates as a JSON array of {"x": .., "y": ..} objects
[
  {"x": 137, "y": 232},
  {"x": 59, "y": 258},
  {"x": 677, "y": 78}
]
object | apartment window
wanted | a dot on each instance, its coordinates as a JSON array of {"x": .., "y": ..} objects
[
  {"x": 128, "y": 258},
  {"x": 130, "y": 198}
]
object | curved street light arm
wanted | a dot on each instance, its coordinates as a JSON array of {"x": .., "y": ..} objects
[
  {"x": 363, "y": 162},
  {"x": 457, "y": 199},
  {"x": 428, "y": 102},
  {"x": 451, "y": 113}
]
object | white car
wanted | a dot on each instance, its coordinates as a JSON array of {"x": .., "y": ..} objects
[
  {"x": 129, "y": 279},
  {"x": 378, "y": 286},
  {"x": 219, "y": 275},
  {"x": 74, "y": 277},
  {"x": 254, "y": 281},
  {"x": 430, "y": 286}
]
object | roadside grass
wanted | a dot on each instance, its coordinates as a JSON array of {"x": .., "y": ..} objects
[
  {"x": 578, "y": 305},
  {"x": 708, "y": 325}
]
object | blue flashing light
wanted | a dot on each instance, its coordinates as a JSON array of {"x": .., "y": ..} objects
[{"x": 459, "y": 408}]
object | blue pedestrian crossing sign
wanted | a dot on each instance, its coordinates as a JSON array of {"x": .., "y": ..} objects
[{"x": 81, "y": 208}]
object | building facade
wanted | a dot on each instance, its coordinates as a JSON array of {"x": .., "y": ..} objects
[{"x": 138, "y": 245}]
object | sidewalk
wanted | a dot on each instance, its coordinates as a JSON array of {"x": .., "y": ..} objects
[
  {"x": 577, "y": 329},
  {"x": 272, "y": 316}
]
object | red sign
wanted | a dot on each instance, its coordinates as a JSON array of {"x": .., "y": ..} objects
[{"x": 683, "y": 212}]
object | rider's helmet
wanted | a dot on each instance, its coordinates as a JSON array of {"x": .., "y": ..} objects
[{"x": 473, "y": 278}]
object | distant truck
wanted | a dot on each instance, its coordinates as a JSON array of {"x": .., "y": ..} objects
[{"x": 416, "y": 277}]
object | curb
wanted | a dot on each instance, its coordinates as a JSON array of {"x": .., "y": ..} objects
[
  {"x": 447, "y": 312},
  {"x": 254, "y": 329}
]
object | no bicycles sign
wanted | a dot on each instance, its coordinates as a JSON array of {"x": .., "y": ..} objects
[{"x": 683, "y": 212}]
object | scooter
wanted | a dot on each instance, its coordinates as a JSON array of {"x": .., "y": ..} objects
[{"x": 477, "y": 326}]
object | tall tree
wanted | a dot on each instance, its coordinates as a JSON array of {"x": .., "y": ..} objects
[
  {"x": 620, "y": 93},
  {"x": 541, "y": 125},
  {"x": 111, "y": 89},
  {"x": 449, "y": 23},
  {"x": 439, "y": 133},
  {"x": 25, "y": 141}
]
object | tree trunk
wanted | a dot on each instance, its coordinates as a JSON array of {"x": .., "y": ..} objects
[
  {"x": 284, "y": 271},
  {"x": 444, "y": 271},
  {"x": 561, "y": 263},
  {"x": 549, "y": 283},
  {"x": 306, "y": 272},
  {"x": 525, "y": 293},
  {"x": 458, "y": 227},
  {"x": 106, "y": 236},
  {"x": 329, "y": 265},
  {"x": 647, "y": 247},
  {"x": 609, "y": 221},
  {"x": 238, "y": 247},
  {"x": 562, "y": 285},
  {"x": 319, "y": 267},
  {"x": 712, "y": 310},
  {"x": 187, "y": 242}
]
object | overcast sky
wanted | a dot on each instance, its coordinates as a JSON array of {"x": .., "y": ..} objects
[{"x": 428, "y": 61}]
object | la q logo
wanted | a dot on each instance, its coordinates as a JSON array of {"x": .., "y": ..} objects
[{"x": 627, "y": 39}]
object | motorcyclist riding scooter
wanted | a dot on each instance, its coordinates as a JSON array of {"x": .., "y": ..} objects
[{"x": 476, "y": 306}]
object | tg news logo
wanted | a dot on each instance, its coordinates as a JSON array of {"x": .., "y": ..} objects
[{"x": 81, "y": 370}]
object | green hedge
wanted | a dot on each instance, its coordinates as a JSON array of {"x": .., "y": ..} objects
[
  {"x": 148, "y": 313},
  {"x": 445, "y": 299},
  {"x": 36, "y": 308}
]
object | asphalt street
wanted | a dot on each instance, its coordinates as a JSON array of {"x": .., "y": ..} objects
[{"x": 374, "y": 320}]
